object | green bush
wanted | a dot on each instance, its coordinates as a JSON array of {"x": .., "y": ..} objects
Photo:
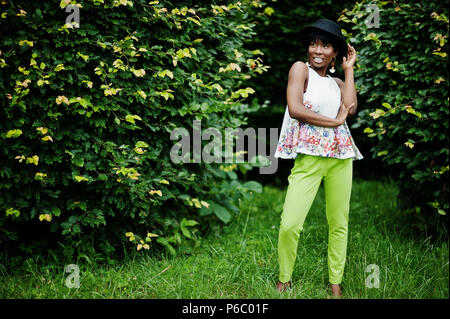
[
  {"x": 87, "y": 116},
  {"x": 402, "y": 80}
]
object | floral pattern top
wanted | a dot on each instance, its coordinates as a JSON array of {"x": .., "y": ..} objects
[{"x": 299, "y": 137}]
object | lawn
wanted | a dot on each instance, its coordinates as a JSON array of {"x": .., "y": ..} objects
[{"x": 240, "y": 259}]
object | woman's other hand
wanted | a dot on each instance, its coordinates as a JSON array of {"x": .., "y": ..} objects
[{"x": 349, "y": 61}]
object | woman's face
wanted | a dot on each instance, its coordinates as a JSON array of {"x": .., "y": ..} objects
[{"x": 320, "y": 54}]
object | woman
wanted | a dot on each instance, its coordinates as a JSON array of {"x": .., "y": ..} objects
[{"x": 315, "y": 134}]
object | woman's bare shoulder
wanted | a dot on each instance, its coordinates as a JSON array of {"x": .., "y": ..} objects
[{"x": 299, "y": 67}]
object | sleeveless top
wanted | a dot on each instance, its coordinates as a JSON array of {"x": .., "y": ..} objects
[{"x": 322, "y": 96}]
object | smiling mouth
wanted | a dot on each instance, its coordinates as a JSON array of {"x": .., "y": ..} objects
[{"x": 318, "y": 60}]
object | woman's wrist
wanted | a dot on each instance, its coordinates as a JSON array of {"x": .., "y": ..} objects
[{"x": 348, "y": 70}]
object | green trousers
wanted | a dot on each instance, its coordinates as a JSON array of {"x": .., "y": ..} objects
[{"x": 304, "y": 181}]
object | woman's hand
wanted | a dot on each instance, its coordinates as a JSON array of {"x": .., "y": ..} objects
[
  {"x": 349, "y": 61},
  {"x": 343, "y": 112}
]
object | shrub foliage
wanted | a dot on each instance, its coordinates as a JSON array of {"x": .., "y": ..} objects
[
  {"x": 402, "y": 80},
  {"x": 87, "y": 111}
]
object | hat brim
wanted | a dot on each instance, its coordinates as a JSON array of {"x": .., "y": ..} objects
[{"x": 341, "y": 41}]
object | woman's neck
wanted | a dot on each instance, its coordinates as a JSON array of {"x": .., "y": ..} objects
[{"x": 320, "y": 71}]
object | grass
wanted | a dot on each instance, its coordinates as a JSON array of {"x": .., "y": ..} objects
[{"x": 240, "y": 260}]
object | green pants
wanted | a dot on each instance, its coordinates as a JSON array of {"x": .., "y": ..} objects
[{"x": 304, "y": 181}]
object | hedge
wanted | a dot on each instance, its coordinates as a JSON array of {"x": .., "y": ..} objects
[
  {"x": 402, "y": 81},
  {"x": 87, "y": 113}
]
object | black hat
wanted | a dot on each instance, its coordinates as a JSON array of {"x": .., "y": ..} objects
[{"x": 330, "y": 28}]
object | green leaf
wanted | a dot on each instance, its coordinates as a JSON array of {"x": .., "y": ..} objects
[
  {"x": 190, "y": 222},
  {"x": 12, "y": 211},
  {"x": 386, "y": 105},
  {"x": 56, "y": 211},
  {"x": 253, "y": 186},
  {"x": 163, "y": 241},
  {"x": 78, "y": 160},
  {"x": 221, "y": 212},
  {"x": 141, "y": 144},
  {"x": 131, "y": 118}
]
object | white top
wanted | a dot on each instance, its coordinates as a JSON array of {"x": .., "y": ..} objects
[
  {"x": 322, "y": 96},
  {"x": 324, "y": 92}
]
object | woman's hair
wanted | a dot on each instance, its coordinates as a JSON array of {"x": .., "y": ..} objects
[{"x": 315, "y": 35}]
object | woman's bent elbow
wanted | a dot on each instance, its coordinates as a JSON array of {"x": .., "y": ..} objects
[{"x": 293, "y": 112}]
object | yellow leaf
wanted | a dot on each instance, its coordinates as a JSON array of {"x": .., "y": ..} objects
[
  {"x": 441, "y": 212},
  {"x": 204, "y": 203},
  {"x": 164, "y": 181},
  {"x": 23, "y": 42},
  {"x": 269, "y": 11},
  {"x": 20, "y": 158},
  {"x": 12, "y": 211},
  {"x": 62, "y": 99},
  {"x": 194, "y": 20},
  {"x": 196, "y": 203},
  {"x": 83, "y": 56},
  {"x": 142, "y": 94},
  {"x": 46, "y": 217},
  {"x": 441, "y": 54},
  {"x": 59, "y": 67},
  {"x": 43, "y": 130},
  {"x": 40, "y": 176},
  {"x": 33, "y": 160},
  {"x": 80, "y": 178},
  {"x": 152, "y": 235},
  {"x": 47, "y": 138},
  {"x": 139, "y": 73},
  {"x": 13, "y": 133}
]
